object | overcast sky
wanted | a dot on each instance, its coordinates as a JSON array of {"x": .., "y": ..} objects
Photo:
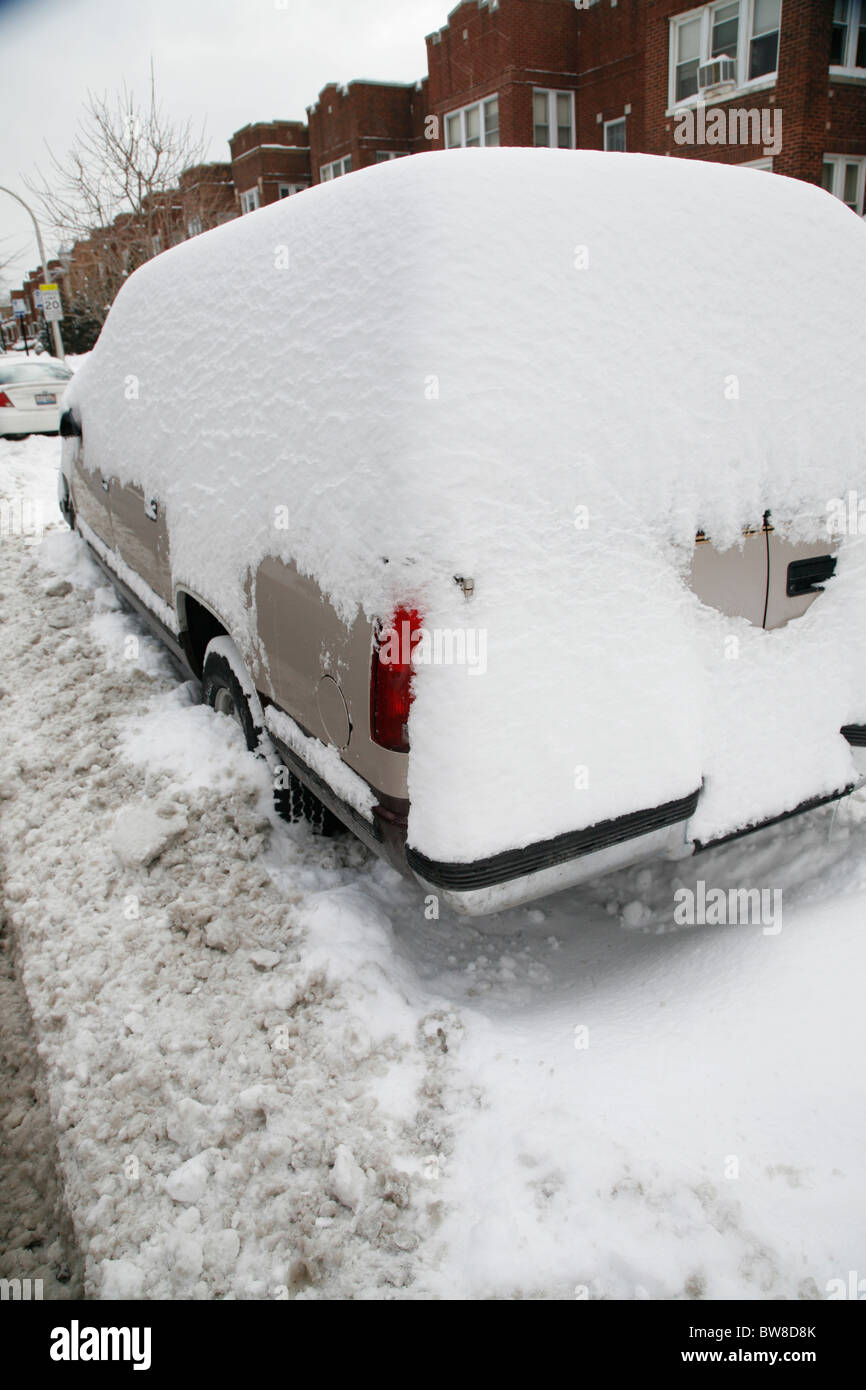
[{"x": 221, "y": 62}]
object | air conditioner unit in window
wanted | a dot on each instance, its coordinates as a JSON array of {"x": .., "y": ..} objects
[{"x": 719, "y": 75}]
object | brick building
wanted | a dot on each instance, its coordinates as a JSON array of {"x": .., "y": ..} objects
[
  {"x": 206, "y": 198},
  {"x": 780, "y": 84},
  {"x": 270, "y": 160},
  {"x": 663, "y": 77},
  {"x": 364, "y": 123},
  {"x": 504, "y": 73},
  {"x": 799, "y": 64}
]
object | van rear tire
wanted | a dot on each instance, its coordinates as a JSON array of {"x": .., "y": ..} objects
[{"x": 222, "y": 690}]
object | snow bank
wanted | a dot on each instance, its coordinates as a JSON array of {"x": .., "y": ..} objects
[{"x": 546, "y": 370}]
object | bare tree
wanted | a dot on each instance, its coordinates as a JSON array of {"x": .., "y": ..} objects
[
  {"x": 114, "y": 199},
  {"x": 7, "y": 256}
]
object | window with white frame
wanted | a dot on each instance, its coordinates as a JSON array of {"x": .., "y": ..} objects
[
  {"x": 384, "y": 156},
  {"x": 336, "y": 169},
  {"x": 473, "y": 125},
  {"x": 287, "y": 190},
  {"x": 844, "y": 176},
  {"x": 848, "y": 45},
  {"x": 250, "y": 200},
  {"x": 553, "y": 119},
  {"x": 194, "y": 226},
  {"x": 746, "y": 31},
  {"x": 614, "y": 135}
]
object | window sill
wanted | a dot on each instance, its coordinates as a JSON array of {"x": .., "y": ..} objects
[
  {"x": 760, "y": 84},
  {"x": 853, "y": 76}
]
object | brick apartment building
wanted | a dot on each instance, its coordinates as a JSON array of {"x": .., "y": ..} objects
[
  {"x": 779, "y": 84},
  {"x": 206, "y": 198},
  {"x": 624, "y": 75},
  {"x": 270, "y": 160},
  {"x": 364, "y": 123}
]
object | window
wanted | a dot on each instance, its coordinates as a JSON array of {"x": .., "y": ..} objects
[
  {"x": 473, "y": 125},
  {"x": 746, "y": 31},
  {"x": 194, "y": 226},
  {"x": 383, "y": 156},
  {"x": 844, "y": 177},
  {"x": 250, "y": 200},
  {"x": 848, "y": 44},
  {"x": 614, "y": 135},
  {"x": 336, "y": 169},
  {"x": 287, "y": 190},
  {"x": 553, "y": 119},
  {"x": 764, "y": 43}
]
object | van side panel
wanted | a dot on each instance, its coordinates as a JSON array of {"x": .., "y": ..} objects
[
  {"x": 304, "y": 649},
  {"x": 141, "y": 536},
  {"x": 90, "y": 499}
]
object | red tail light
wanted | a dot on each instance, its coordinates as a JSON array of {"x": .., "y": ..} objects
[
  {"x": 391, "y": 680},
  {"x": 4, "y": 399}
]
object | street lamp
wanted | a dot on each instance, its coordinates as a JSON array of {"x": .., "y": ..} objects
[{"x": 55, "y": 326}]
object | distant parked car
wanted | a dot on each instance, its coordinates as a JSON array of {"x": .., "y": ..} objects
[{"x": 30, "y": 393}]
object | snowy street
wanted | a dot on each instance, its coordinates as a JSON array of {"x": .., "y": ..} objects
[{"x": 271, "y": 1076}]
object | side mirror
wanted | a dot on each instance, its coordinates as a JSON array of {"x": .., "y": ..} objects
[{"x": 69, "y": 426}]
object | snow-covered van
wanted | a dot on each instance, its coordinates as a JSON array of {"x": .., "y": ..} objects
[{"x": 511, "y": 499}]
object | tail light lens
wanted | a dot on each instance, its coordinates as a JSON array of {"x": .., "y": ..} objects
[
  {"x": 4, "y": 399},
  {"x": 391, "y": 680}
]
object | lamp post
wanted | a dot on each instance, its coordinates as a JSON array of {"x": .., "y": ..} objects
[{"x": 55, "y": 326}]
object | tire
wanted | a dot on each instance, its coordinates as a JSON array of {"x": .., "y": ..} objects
[{"x": 222, "y": 690}]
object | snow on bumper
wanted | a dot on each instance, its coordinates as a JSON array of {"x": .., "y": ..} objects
[{"x": 518, "y": 876}]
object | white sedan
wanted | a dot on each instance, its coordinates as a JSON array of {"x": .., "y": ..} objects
[{"x": 30, "y": 393}]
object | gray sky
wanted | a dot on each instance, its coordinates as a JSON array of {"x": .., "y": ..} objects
[{"x": 221, "y": 62}]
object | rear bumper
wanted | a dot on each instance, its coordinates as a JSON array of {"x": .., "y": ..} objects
[
  {"x": 517, "y": 876},
  {"x": 41, "y": 420}
]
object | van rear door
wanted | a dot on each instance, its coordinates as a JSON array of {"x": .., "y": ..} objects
[
  {"x": 769, "y": 581},
  {"x": 734, "y": 581},
  {"x": 798, "y": 573}
]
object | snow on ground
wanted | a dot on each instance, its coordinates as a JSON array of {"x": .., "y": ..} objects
[
  {"x": 35, "y": 1230},
  {"x": 271, "y": 1076}
]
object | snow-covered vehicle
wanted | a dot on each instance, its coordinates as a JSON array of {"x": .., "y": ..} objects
[{"x": 487, "y": 492}]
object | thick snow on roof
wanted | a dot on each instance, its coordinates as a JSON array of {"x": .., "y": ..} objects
[{"x": 438, "y": 360}]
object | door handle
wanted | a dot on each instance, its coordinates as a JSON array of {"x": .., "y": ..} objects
[
  {"x": 106, "y": 484},
  {"x": 151, "y": 509},
  {"x": 809, "y": 576}
]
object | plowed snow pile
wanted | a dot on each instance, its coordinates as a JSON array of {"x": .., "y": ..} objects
[{"x": 271, "y": 1076}]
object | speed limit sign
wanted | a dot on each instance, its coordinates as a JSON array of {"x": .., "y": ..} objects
[{"x": 51, "y": 303}]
